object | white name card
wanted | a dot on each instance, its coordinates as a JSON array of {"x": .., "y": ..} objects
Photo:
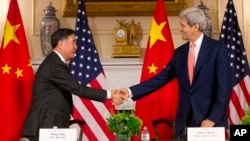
[
  {"x": 206, "y": 134},
  {"x": 58, "y": 134}
]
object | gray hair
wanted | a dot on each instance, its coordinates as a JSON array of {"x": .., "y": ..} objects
[{"x": 194, "y": 15}]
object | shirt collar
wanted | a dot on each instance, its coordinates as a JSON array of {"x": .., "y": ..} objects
[
  {"x": 198, "y": 41},
  {"x": 60, "y": 56}
]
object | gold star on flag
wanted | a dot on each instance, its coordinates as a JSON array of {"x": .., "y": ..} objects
[
  {"x": 155, "y": 32},
  {"x": 30, "y": 64},
  {"x": 11, "y": 34},
  {"x": 6, "y": 69},
  {"x": 19, "y": 73},
  {"x": 152, "y": 69}
]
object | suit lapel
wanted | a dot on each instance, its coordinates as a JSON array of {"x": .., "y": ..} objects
[
  {"x": 204, "y": 50},
  {"x": 184, "y": 56}
]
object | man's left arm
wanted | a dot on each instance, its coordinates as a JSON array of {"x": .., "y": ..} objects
[{"x": 224, "y": 83}]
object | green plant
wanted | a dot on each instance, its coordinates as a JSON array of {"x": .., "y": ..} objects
[
  {"x": 246, "y": 119},
  {"x": 124, "y": 123}
]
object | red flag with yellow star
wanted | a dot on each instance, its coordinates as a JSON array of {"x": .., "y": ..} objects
[
  {"x": 16, "y": 76},
  {"x": 162, "y": 103}
]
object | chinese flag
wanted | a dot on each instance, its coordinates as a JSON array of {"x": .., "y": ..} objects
[
  {"x": 16, "y": 76},
  {"x": 162, "y": 103}
]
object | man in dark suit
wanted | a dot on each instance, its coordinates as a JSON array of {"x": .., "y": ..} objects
[
  {"x": 204, "y": 98},
  {"x": 53, "y": 85}
]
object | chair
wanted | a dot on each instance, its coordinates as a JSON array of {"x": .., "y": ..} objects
[
  {"x": 81, "y": 123},
  {"x": 169, "y": 123},
  {"x": 23, "y": 139}
]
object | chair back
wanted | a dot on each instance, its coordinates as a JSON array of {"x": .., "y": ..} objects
[{"x": 169, "y": 123}]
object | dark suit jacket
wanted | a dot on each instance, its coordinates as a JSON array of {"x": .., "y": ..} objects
[
  {"x": 210, "y": 92},
  {"x": 52, "y": 100}
]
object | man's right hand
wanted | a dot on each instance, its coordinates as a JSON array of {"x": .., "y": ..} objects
[
  {"x": 119, "y": 95},
  {"x": 116, "y": 98},
  {"x": 124, "y": 92}
]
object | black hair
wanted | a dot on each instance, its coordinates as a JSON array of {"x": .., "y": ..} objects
[{"x": 60, "y": 34}]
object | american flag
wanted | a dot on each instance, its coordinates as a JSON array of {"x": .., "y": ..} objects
[
  {"x": 87, "y": 69},
  {"x": 231, "y": 36}
]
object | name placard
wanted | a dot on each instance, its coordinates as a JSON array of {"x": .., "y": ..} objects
[
  {"x": 206, "y": 134},
  {"x": 58, "y": 134}
]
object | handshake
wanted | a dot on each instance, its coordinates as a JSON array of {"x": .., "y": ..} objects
[{"x": 119, "y": 95}]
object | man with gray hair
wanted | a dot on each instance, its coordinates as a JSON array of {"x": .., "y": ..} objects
[{"x": 202, "y": 69}]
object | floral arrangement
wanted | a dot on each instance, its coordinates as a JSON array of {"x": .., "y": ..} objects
[
  {"x": 124, "y": 123},
  {"x": 246, "y": 119}
]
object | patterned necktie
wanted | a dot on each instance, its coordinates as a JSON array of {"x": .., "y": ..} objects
[{"x": 191, "y": 58}]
